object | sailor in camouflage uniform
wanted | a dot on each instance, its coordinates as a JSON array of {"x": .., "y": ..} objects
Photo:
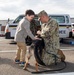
[{"x": 50, "y": 34}]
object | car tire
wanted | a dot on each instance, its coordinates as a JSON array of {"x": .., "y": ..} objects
[
  {"x": 70, "y": 35},
  {"x": 7, "y": 35}
]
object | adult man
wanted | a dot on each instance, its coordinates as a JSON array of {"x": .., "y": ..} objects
[
  {"x": 50, "y": 34},
  {"x": 23, "y": 29}
]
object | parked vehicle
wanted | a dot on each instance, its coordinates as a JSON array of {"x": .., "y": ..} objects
[
  {"x": 72, "y": 30},
  {"x": 65, "y": 26}
]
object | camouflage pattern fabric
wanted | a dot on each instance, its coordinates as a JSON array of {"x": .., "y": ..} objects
[{"x": 50, "y": 34}]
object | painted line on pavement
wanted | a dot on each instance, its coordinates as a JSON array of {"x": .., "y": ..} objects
[
  {"x": 68, "y": 73},
  {"x": 68, "y": 49},
  {"x": 2, "y": 51}
]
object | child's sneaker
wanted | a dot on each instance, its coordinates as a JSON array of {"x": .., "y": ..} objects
[
  {"x": 22, "y": 64},
  {"x": 17, "y": 61}
]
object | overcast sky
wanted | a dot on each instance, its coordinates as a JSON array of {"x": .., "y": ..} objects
[{"x": 12, "y": 8}]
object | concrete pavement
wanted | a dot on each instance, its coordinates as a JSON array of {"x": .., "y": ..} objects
[{"x": 8, "y": 67}]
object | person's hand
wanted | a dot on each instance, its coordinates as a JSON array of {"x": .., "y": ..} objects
[
  {"x": 39, "y": 32},
  {"x": 36, "y": 38}
]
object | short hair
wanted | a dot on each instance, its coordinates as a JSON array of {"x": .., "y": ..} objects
[
  {"x": 42, "y": 13},
  {"x": 29, "y": 12}
]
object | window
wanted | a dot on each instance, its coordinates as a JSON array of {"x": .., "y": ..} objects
[
  {"x": 18, "y": 18},
  {"x": 67, "y": 19},
  {"x": 21, "y": 16},
  {"x": 59, "y": 19}
]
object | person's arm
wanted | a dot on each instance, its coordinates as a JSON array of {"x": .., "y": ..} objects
[
  {"x": 53, "y": 28},
  {"x": 49, "y": 29},
  {"x": 27, "y": 28}
]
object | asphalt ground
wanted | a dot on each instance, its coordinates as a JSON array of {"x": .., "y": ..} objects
[{"x": 8, "y": 66}]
